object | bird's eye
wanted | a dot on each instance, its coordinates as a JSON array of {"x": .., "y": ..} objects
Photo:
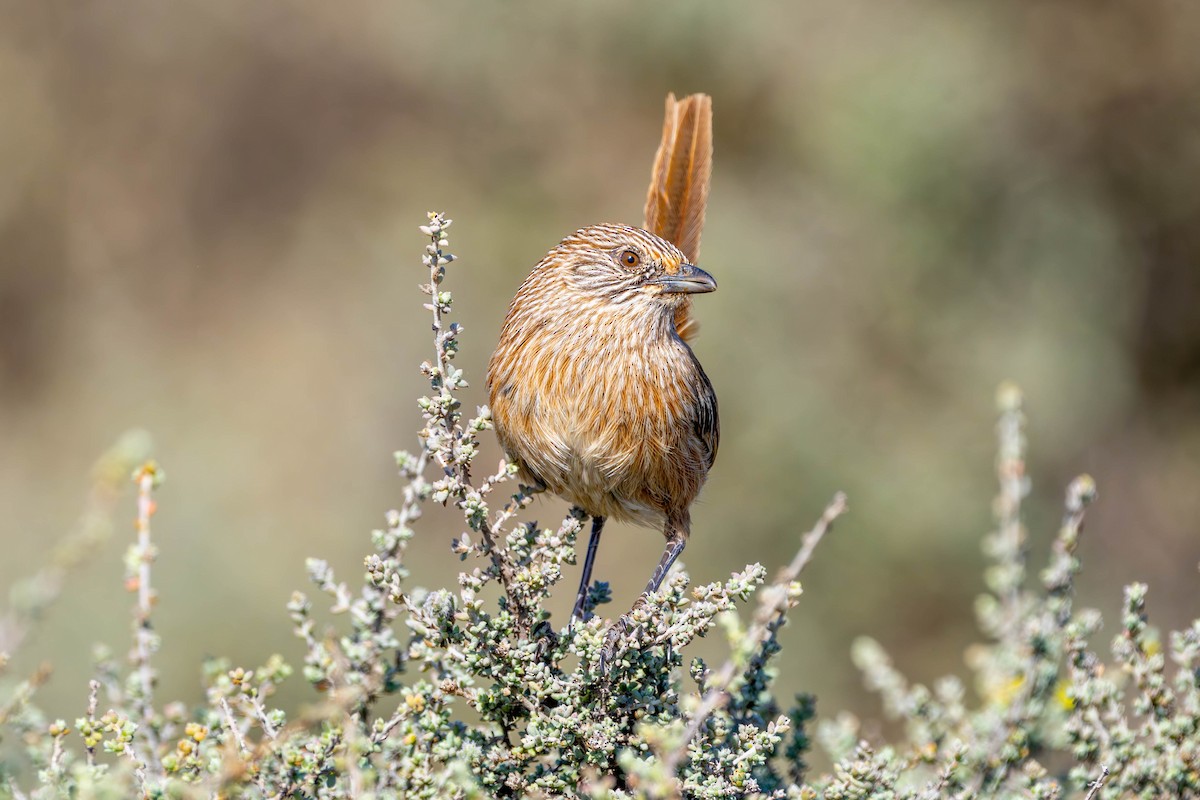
[{"x": 630, "y": 259}]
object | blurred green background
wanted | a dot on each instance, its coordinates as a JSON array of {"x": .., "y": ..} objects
[{"x": 208, "y": 222}]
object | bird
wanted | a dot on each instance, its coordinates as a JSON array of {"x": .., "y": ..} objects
[{"x": 595, "y": 393}]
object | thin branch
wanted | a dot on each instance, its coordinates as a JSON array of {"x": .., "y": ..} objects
[
  {"x": 1094, "y": 786},
  {"x": 443, "y": 408},
  {"x": 16, "y": 790},
  {"x": 93, "y": 697},
  {"x": 380, "y": 736},
  {"x": 93, "y": 529},
  {"x": 1010, "y": 535},
  {"x": 24, "y": 692},
  {"x": 231, "y": 725},
  {"x": 774, "y": 602},
  {"x": 260, "y": 712},
  {"x": 145, "y": 642}
]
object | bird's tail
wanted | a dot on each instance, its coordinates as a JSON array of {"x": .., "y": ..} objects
[{"x": 679, "y": 184}]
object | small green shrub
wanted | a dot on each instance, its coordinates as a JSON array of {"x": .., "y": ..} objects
[{"x": 474, "y": 692}]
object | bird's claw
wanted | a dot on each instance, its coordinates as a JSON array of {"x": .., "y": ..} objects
[
  {"x": 611, "y": 640},
  {"x": 615, "y": 634}
]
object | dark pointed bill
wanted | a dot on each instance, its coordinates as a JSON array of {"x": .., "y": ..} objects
[{"x": 689, "y": 280}]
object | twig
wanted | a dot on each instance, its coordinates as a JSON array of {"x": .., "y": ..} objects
[
  {"x": 231, "y": 724},
  {"x": 443, "y": 409},
  {"x": 260, "y": 713},
  {"x": 1094, "y": 790},
  {"x": 1009, "y": 551},
  {"x": 24, "y": 691},
  {"x": 380, "y": 736},
  {"x": 56, "y": 756},
  {"x": 774, "y": 602},
  {"x": 1010, "y": 535},
  {"x": 240, "y": 740},
  {"x": 808, "y": 546},
  {"x": 94, "y": 527},
  {"x": 519, "y": 500},
  {"x": 16, "y": 790},
  {"x": 93, "y": 696},
  {"x": 147, "y": 478}
]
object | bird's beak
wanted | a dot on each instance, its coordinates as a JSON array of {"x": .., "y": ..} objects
[{"x": 689, "y": 280}]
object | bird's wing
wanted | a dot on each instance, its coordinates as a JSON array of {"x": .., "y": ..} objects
[
  {"x": 679, "y": 184},
  {"x": 706, "y": 422}
]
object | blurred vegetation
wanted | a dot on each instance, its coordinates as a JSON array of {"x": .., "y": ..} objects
[{"x": 205, "y": 215}]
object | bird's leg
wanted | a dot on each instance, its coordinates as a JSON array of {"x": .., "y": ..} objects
[
  {"x": 589, "y": 561},
  {"x": 675, "y": 544}
]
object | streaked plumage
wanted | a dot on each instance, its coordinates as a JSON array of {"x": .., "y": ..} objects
[
  {"x": 594, "y": 391},
  {"x": 594, "y": 394}
]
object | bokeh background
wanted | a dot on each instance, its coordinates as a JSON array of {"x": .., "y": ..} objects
[{"x": 208, "y": 218}]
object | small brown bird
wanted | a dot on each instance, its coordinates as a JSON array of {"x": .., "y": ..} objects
[{"x": 595, "y": 394}]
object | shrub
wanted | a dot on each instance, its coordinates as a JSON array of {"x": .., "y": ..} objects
[{"x": 472, "y": 691}]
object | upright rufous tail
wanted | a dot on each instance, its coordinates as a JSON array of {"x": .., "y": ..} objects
[{"x": 679, "y": 185}]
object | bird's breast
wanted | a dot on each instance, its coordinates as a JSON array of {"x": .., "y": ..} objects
[{"x": 601, "y": 418}]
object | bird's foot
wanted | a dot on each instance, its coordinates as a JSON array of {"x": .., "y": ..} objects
[
  {"x": 615, "y": 636},
  {"x": 611, "y": 639}
]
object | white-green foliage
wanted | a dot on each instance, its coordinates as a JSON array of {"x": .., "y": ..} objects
[{"x": 475, "y": 691}]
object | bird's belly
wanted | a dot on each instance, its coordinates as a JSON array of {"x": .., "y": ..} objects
[
  {"x": 601, "y": 463},
  {"x": 617, "y": 441}
]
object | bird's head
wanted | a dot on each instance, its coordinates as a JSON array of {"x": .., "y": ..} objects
[{"x": 621, "y": 264}]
